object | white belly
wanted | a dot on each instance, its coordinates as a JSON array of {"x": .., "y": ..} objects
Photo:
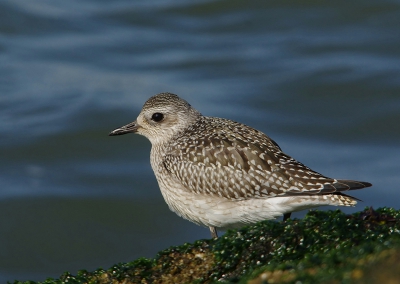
[{"x": 214, "y": 211}]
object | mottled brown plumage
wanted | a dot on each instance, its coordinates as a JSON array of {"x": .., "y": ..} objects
[{"x": 220, "y": 157}]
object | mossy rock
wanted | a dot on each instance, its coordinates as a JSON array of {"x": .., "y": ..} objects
[{"x": 324, "y": 247}]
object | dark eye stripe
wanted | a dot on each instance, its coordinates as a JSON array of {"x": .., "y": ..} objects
[{"x": 157, "y": 116}]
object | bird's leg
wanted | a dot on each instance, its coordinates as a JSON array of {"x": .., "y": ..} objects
[
  {"x": 214, "y": 233},
  {"x": 286, "y": 216}
]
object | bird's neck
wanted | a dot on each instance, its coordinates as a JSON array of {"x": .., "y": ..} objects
[{"x": 157, "y": 153}]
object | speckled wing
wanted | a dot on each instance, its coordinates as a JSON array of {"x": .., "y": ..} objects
[{"x": 228, "y": 159}]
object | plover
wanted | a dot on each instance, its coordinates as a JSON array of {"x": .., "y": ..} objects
[{"x": 223, "y": 174}]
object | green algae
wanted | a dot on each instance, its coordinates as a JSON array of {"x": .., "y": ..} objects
[{"x": 325, "y": 246}]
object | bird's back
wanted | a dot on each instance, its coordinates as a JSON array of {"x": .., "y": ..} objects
[{"x": 221, "y": 157}]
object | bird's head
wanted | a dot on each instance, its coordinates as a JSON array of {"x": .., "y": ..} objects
[{"x": 162, "y": 116}]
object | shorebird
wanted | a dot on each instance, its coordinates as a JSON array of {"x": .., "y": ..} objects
[{"x": 222, "y": 174}]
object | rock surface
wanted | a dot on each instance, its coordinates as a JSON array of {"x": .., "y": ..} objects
[{"x": 324, "y": 247}]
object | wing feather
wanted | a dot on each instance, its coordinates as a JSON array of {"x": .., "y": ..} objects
[{"x": 238, "y": 162}]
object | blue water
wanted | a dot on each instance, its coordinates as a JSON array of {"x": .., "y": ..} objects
[{"x": 322, "y": 79}]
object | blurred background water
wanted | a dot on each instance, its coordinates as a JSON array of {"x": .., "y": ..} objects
[{"x": 321, "y": 78}]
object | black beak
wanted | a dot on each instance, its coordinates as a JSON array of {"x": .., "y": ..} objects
[{"x": 129, "y": 128}]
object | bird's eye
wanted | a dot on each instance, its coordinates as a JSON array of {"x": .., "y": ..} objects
[{"x": 157, "y": 117}]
